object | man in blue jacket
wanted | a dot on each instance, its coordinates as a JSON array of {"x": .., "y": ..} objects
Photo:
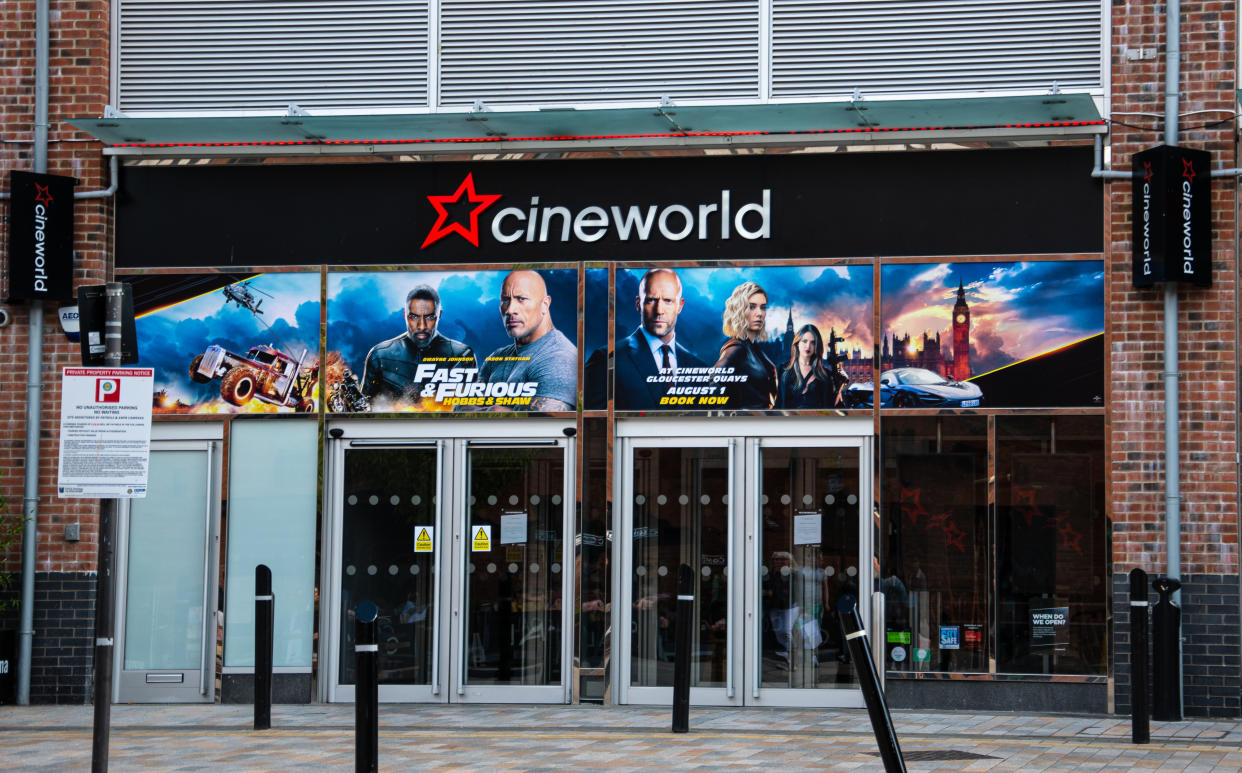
[{"x": 649, "y": 357}]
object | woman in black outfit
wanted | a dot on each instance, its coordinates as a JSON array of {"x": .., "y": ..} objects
[
  {"x": 745, "y": 313},
  {"x": 805, "y": 382}
]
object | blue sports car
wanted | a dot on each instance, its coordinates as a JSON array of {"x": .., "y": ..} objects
[{"x": 916, "y": 388}]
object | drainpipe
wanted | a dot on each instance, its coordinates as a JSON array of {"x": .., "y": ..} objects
[
  {"x": 1172, "y": 461},
  {"x": 34, "y": 384}
]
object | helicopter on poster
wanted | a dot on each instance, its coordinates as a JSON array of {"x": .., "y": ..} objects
[{"x": 243, "y": 295}]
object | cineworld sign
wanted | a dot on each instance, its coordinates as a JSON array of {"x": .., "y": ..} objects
[
  {"x": 691, "y": 208},
  {"x": 40, "y": 236},
  {"x": 1172, "y": 216},
  {"x": 719, "y": 219}
]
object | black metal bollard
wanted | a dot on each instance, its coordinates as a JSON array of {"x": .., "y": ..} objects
[
  {"x": 681, "y": 662},
  {"x": 1140, "y": 719},
  {"x": 366, "y": 689},
  {"x": 105, "y": 618},
  {"x": 873, "y": 693},
  {"x": 1166, "y": 688},
  {"x": 264, "y": 626}
]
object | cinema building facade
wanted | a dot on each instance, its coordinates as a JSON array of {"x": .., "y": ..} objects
[{"x": 503, "y": 366}]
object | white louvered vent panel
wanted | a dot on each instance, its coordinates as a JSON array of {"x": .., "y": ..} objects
[
  {"x": 910, "y": 46},
  {"x": 520, "y": 51},
  {"x": 244, "y": 55}
]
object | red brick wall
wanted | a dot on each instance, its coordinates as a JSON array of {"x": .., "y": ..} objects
[
  {"x": 1207, "y": 320},
  {"x": 78, "y": 86}
]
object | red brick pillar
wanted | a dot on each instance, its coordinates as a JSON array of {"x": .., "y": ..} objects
[
  {"x": 1208, "y": 345},
  {"x": 78, "y": 86}
]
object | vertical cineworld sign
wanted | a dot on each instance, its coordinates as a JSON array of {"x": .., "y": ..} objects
[
  {"x": 1172, "y": 216},
  {"x": 40, "y": 237}
]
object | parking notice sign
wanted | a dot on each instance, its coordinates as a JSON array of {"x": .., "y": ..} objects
[{"x": 105, "y": 432}]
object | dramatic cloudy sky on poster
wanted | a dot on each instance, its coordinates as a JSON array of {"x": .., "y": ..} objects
[
  {"x": 367, "y": 308},
  {"x": 170, "y": 337},
  {"x": 829, "y": 297},
  {"x": 1017, "y": 310}
]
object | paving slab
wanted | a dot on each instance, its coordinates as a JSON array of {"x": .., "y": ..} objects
[{"x": 613, "y": 738}]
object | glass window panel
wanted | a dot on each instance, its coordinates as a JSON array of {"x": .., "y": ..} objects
[
  {"x": 934, "y": 567},
  {"x": 681, "y": 515},
  {"x": 273, "y": 471},
  {"x": 1052, "y": 545},
  {"x": 513, "y": 591},
  {"x": 809, "y": 565},
  {"x": 390, "y": 498},
  {"x": 593, "y": 551},
  {"x": 166, "y": 554}
]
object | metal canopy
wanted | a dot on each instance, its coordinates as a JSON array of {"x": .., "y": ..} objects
[{"x": 806, "y": 123}]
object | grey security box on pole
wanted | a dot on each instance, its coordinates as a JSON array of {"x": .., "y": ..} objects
[
  {"x": 40, "y": 237},
  {"x": 93, "y": 325},
  {"x": 1172, "y": 216}
]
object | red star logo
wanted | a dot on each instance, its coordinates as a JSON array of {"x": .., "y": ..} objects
[
  {"x": 939, "y": 521},
  {"x": 481, "y": 201},
  {"x": 1148, "y": 173},
  {"x": 42, "y": 195},
  {"x": 1070, "y": 538},
  {"x": 953, "y": 536},
  {"x": 910, "y": 504},
  {"x": 1025, "y": 497},
  {"x": 1188, "y": 169}
]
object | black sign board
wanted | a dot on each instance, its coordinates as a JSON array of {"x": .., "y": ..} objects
[
  {"x": 40, "y": 237},
  {"x": 92, "y": 312},
  {"x": 825, "y": 205},
  {"x": 1172, "y": 216}
]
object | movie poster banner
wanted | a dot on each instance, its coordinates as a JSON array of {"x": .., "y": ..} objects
[
  {"x": 229, "y": 343},
  {"x": 462, "y": 341},
  {"x": 753, "y": 338},
  {"x": 994, "y": 335}
]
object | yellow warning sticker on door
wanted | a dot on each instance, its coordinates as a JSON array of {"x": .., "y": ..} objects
[
  {"x": 481, "y": 539},
  {"x": 424, "y": 539}
]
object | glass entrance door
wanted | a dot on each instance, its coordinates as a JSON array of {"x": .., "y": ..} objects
[
  {"x": 775, "y": 529},
  {"x": 388, "y": 543},
  {"x": 805, "y": 568},
  {"x": 166, "y": 559},
  {"x": 514, "y": 588},
  {"x": 460, "y": 543}
]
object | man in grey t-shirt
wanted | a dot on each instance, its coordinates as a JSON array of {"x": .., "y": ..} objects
[{"x": 539, "y": 354}]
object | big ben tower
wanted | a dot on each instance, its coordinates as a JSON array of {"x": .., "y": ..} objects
[{"x": 961, "y": 335}]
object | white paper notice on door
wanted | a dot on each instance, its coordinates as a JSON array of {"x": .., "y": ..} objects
[
  {"x": 513, "y": 528},
  {"x": 807, "y": 529}
]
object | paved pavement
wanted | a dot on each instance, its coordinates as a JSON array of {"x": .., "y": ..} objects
[{"x": 614, "y": 738}]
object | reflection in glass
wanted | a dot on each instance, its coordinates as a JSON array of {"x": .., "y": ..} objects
[
  {"x": 934, "y": 556},
  {"x": 1052, "y": 545},
  {"x": 389, "y": 503},
  {"x": 681, "y": 515},
  {"x": 593, "y": 549},
  {"x": 809, "y": 565},
  {"x": 513, "y": 589},
  {"x": 164, "y": 588}
]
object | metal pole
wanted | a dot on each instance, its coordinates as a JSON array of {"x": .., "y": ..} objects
[
  {"x": 34, "y": 385},
  {"x": 1172, "y": 429},
  {"x": 366, "y": 689},
  {"x": 869, "y": 681},
  {"x": 681, "y": 662},
  {"x": 1140, "y": 719},
  {"x": 264, "y": 619},
  {"x": 104, "y": 585}
]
